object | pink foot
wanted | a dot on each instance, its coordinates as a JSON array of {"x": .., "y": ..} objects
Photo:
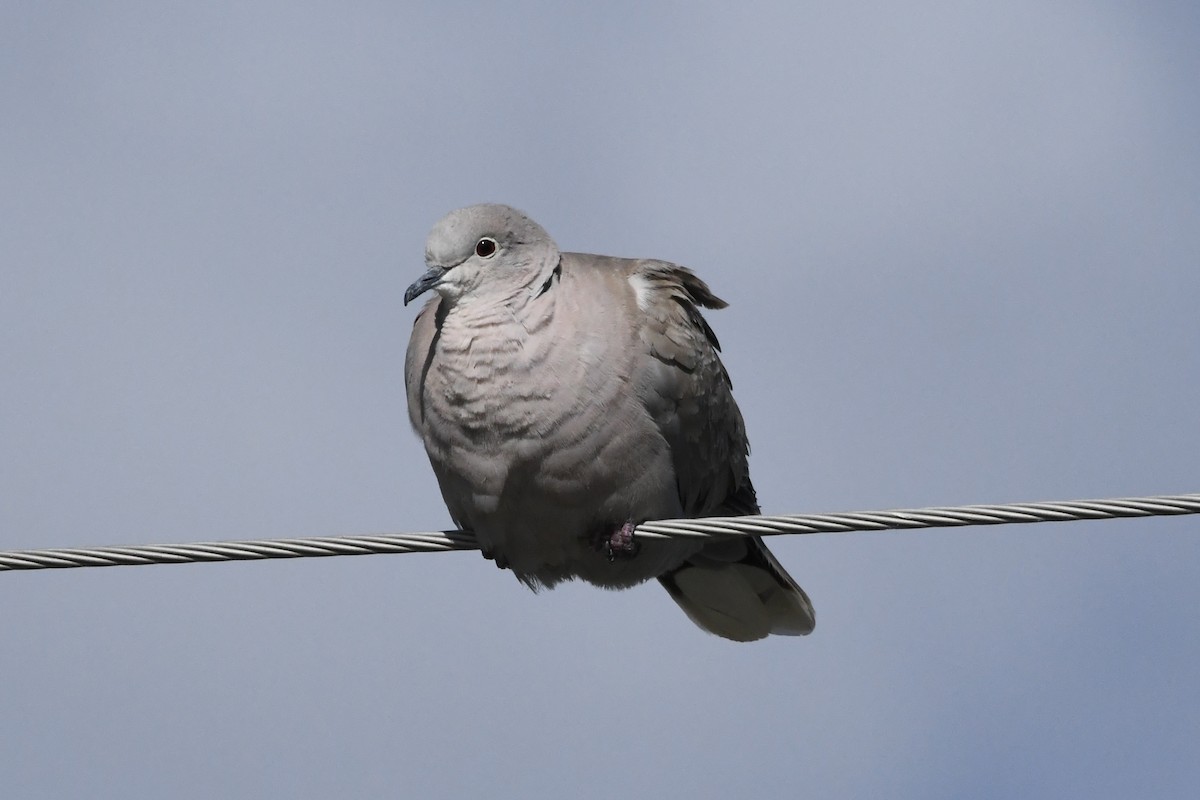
[{"x": 620, "y": 543}]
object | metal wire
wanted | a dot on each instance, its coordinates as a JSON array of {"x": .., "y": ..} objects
[{"x": 901, "y": 519}]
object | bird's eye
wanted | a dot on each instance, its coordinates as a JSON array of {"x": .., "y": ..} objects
[{"x": 485, "y": 247}]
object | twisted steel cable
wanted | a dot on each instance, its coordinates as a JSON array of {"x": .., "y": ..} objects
[{"x": 439, "y": 541}]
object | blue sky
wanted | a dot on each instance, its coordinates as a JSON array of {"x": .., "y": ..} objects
[{"x": 961, "y": 249}]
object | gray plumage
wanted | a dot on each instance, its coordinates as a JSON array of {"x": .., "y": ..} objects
[{"x": 564, "y": 397}]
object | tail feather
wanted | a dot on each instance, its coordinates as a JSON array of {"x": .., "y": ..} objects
[{"x": 736, "y": 589}]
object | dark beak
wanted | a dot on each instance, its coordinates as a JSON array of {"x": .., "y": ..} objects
[{"x": 424, "y": 283}]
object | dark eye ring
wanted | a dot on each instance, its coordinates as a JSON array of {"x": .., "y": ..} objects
[{"x": 485, "y": 247}]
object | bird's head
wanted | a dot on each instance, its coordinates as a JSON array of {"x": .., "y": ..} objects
[{"x": 484, "y": 249}]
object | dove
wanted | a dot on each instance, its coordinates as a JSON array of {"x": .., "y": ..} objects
[{"x": 564, "y": 398}]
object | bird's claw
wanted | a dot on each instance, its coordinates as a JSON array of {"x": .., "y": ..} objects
[{"x": 620, "y": 543}]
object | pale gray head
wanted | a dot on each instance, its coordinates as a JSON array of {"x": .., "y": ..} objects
[{"x": 485, "y": 248}]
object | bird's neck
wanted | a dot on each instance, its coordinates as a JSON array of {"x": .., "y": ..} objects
[{"x": 522, "y": 301}]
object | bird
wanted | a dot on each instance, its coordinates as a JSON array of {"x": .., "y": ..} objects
[{"x": 564, "y": 398}]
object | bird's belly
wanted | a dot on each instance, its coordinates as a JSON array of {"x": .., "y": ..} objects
[
  {"x": 545, "y": 511},
  {"x": 543, "y": 470}
]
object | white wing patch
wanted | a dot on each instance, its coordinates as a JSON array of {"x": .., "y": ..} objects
[{"x": 641, "y": 290}]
